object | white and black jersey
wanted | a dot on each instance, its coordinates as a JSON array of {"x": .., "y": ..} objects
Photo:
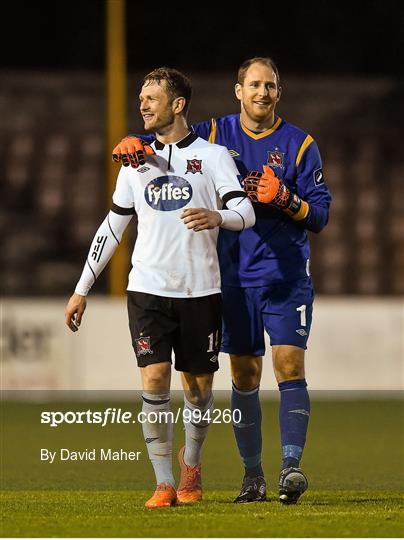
[{"x": 169, "y": 259}]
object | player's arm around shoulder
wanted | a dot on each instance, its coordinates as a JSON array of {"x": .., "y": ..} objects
[{"x": 133, "y": 150}]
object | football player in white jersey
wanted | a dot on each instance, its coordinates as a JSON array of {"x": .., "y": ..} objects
[{"x": 187, "y": 189}]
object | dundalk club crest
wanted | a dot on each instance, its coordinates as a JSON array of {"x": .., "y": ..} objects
[
  {"x": 276, "y": 158},
  {"x": 143, "y": 345},
  {"x": 194, "y": 166}
]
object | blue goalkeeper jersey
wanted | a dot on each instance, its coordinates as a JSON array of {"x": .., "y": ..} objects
[{"x": 277, "y": 248}]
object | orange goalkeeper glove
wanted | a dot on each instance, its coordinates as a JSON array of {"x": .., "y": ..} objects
[
  {"x": 132, "y": 151},
  {"x": 267, "y": 188}
]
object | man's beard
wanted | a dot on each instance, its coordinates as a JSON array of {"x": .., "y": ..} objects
[{"x": 160, "y": 127}]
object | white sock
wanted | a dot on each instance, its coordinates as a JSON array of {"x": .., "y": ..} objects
[
  {"x": 159, "y": 436},
  {"x": 196, "y": 430}
]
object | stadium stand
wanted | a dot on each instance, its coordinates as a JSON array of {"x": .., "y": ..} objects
[{"x": 52, "y": 172}]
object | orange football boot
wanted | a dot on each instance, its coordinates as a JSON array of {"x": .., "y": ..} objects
[
  {"x": 190, "y": 486},
  {"x": 164, "y": 496}
]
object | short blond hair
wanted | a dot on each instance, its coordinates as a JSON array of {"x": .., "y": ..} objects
[{"x": 264, "y": 60}]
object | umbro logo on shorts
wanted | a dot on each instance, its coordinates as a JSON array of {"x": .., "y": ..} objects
[
  {"x": 143, "y": 169},
  {"x": 301, "y": 332},
  {"x": 213, "y": 359}
]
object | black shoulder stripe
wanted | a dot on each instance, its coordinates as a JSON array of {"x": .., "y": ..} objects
[
  {"x": 122, "y": 211},
  {"x": 233, "y": 195}
]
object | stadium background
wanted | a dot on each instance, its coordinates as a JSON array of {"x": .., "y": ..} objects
[{"x": 341, "y": 67}]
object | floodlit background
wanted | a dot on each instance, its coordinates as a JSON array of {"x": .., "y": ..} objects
[{"x": 341, "y": 70}]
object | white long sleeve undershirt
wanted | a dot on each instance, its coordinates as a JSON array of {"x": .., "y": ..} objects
[
  {"x": 240, "y": 214},
  {"x": 105, "y": 242}
]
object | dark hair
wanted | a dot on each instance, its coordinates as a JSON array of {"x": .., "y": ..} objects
[
  {"x": 265, "y": 60},
  {"x": 178, "y": 85}
]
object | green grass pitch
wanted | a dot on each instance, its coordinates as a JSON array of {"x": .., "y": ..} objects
[{"x": 353, "y": 458}]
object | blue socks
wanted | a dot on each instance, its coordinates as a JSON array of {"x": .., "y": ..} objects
[
  {"x": 248, "y": 430},
  {"x": 294, "y": 415}
]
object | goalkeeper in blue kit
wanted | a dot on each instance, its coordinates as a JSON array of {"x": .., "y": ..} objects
[{"x": 265, "y": 274}]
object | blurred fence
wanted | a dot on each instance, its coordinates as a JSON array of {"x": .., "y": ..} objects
[
  {"x": 355, "y": 345},
  {"x": 52, "y": 172}
]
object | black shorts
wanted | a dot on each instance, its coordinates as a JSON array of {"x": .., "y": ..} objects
[{"x": 191, "y": 327}]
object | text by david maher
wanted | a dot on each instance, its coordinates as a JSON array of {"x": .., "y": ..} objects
[{"x": 94, "y": 454}]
